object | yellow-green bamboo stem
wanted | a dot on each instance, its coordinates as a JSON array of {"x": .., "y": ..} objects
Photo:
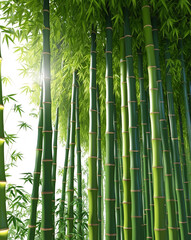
[
  {"x": 158, "y": 185},
  {"x": 110, "y": 227},
  {"x": 125, "y": 145},
  {"x": 3, "y": 214},
  {"x": 70, "y": 189},
  {"x": 92, "y": 160},
  {"x": 36, "y": 175},
  {"x": 55, "y": 138}
]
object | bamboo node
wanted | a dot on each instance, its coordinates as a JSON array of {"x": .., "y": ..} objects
[
  {"x": 31, "y": 226},
  {"x": 46, "y": 193},
  {"x": 110, "y": 199},
  {"x": 148, "y": 25},
  {"x": 176, "y": 163},
  {"x": 136, "y": 216},
  {"x": 110, "y": 164},
  {"x": 139, "y": 190},
  {"x": 157, "y": 167},
  {"x": 45, "y": 10},
  {"x": 111, "y": 234},
  {"x": 134, "y": 151},
  {"x": 109, "y": 28},
  {"x": 47, "y": 160},
  {"x": 93, "y": 189},
  {"x": 150, "y": 45},
  {"x": 128, "y": 56},
  {"x": 134, "y": 168},
  {"x": 179, "y": 189},
  {"x": 160, "y": 229},
  {"x": 108, "y": 51},
  {"x": 130, "y": 77},
  {"x": 168, "y": 175},
  {"x": 110, "y": 132}
]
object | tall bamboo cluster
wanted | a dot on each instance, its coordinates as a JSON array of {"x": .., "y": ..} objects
[
  {"x": 146, "y": 190},
  {"x": 3, "y": 215},
  {"x": 70, "y": 189},
  {"x": 110, "y": 229},
  {"x": 175, "y": 153},
  {"x": 167, "y": 160},
  {"x": 55, "y": 139},
  {"x": 79, "y": 170},
  {"x": 158, "y": 188},
  {"x": 92, "y": 159},
  {"x": 36, "y": 175},
  {"x": 46, "y": 225},
  {"x": 99, "y": 158},
  {"x": 134, "y": 149}
]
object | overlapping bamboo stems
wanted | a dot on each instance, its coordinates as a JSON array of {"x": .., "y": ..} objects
[
  {"x": 70, "y": 188},
  {"x": 46, "y": 224},
  {"x": 110, "y": 226},
  {"x": 144, "y": 122},
  {"x": 185, "y": 91},
  {"x": 135, "y": 161},
  {"x": 167, "y": 160},
  {"x": 36, "y": 175},
  {"x": 79, "y": 169},
  {"x": 185, "y": 174},
  {"x": 92, "y": 160},
  {"x": 158, "y": 186},
  {"x": 55, "y": 138},
  {"x": 176, "y": 155},
  {"x": 99, "y": 158},
  {"x": 63, "y": 194},
  {"x": 3, "y": 214},
  {"x": 117, "y": 190},
  {"x": 125, "y": 145}
]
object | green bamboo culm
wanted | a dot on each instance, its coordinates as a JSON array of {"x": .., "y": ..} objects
[
  {"x": 185, "y": 91},
  {"x": 144, "y": 122},
  {"x": 135, "y": 162},
  {"x": 99, "y": 158},
  {"x": 185, "y": 173},
  {"x": 36, "y": 175},
  {"x": 175, "y": 152},
  {"x": 63, "y": 194},
  {"x": 55, "y": 139},
  {"x": 79, "y": 168},
  {"x": 125, "y": 145},
  {"x": 150, "y": 160},
  {"x": 158, "y": 184},
  {"x": 92, "y": 160},
  {"x": 70, "y": 189},
  {"x": 117, "y": 189},
  {"x": 167, "y": 160},
  {"x": 110, "y": 227},
  {"x": 46, "y": 224},
  {"x": 3, "y": 214}
]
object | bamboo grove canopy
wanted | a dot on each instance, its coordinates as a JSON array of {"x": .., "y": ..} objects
[{"x": 131, "y": 61}]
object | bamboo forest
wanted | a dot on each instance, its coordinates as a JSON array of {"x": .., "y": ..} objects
[{"x": 111, "y": 80}]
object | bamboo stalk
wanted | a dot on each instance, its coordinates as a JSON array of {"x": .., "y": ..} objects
[
  {"x": 36, "y": 175},
  {"x": 92, "y": 160},
  {"x": 159, "y": 196},
  {"x": 167, "y": 160},
  {"x": 79, "y": 170},
  {"x": 3, "y": 214},
  {"x": 127, "y": 228},
  {"x": 63, "y": 195},
  {"x": 110, "y": 227},
  {"x": 144, "y": 122},
  {"x": 117, "y": 191},
  {"x": 135, "y": 162},
  {"x": 185, "y": 174},
  {"x": 55, "y": 138},
  {"x": 46, "y": 225},
  {"x": 185, "y": 91},
  {"x": 70, "y": 189},
  {"x": 99, "y": 157},
  {"x": 176, "y": 155}
]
